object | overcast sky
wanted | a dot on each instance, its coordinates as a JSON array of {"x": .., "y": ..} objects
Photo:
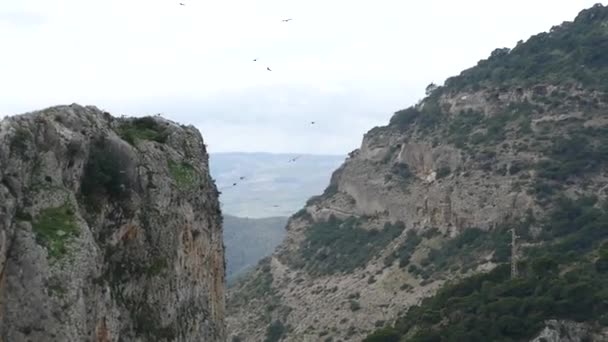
[{"x": 345, "y": 64}]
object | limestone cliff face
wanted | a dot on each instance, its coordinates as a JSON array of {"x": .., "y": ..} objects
[{"x": 110, "y": 230}]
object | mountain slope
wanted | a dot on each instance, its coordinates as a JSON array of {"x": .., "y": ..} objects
[
  {"x": 110, "y": 230},
  {"x": 249, "y": 240},
  {"x": 435, "y": 196}
]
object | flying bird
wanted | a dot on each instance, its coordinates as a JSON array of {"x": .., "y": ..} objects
[
  {"x": 275, "y": 206},
  {"x": 287, "y": 20},
  {"x": 182, "y": 4},
  {"x": 255, "y": 59},
  {"x": 233, "y": 184},
  {"x": 242, "y": 177},
  {"x": 312, "y": 122},
  {"x": 294, "y": 159},
  {"x": 268, "y": 68}
]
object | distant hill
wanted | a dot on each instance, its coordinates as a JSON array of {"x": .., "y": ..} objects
[
  {"x": 273, "y": 186},
  {"x": 249, "y": 240}
]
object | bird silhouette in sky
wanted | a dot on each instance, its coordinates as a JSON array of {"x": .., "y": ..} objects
[
  {"x": 182, "y": 4},
  {"x": 287, "y": 20},
  {"x": 268, "y": 68},
  {"x": 255, "y": 59},
  {"x": 242, "y": 177},
  {"x": 294, "y": 159},
  {"x": 312, "y": 122}
]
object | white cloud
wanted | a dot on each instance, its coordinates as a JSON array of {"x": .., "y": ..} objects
[{"x": 349, "y": 63}]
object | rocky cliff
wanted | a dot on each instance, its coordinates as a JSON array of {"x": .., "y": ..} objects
[
  {"x": 504, "y": 149},
  {"x": 110, "y": 230}
]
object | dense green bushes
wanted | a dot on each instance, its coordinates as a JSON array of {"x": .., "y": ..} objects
[
  {"x": 574, "y": 155},
  {"x": 341, "y": 246},
  {"x": 145, "y": 128},
  {"x": 426, "y": 116},
  {"x": 577, "y": 224},
  {"x": 405, "y": 117},
  {"x": 559, "y": 280},
  {"x": 569, "y": 53},
  {"x": 493, "y": 307},
  {"x": 466, "y": 248},
  {"x": 405, "y": 250},
  {"x": 383, "y": 335},
  {"x": 104, "y": 175},
  {"x": 601, "y": 264}
]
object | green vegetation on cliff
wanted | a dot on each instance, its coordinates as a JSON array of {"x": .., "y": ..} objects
[
  {"x": 55, "y": 228},
  {"x": 572, "y": 53},
  {"x": 564, "y": 279},
  {"x": 145, "y": 128},
  {"x": 184, "y": 174},
  {"x": 342, "y": 246}
]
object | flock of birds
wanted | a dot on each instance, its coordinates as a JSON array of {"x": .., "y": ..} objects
[
  {"x": 255, "y": 59},
  {"x": 291, "y": 160}
]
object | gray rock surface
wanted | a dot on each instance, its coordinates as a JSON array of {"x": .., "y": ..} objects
[
  {"x": 568, "y": 331},
  {"x": 110, "y": 230}
]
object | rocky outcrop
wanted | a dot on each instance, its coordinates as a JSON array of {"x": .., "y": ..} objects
[
  {"x": 568, "y": 331},
  {"x": 110, "y": 230}
]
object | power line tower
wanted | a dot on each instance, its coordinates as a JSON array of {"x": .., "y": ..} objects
[{"x": 514, "y": 254}]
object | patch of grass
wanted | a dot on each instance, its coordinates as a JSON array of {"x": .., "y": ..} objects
[
  {"x": 55, "y": 228},
  {"x": 183, "y": 174},
  {"x": 146, "y": 128}
]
